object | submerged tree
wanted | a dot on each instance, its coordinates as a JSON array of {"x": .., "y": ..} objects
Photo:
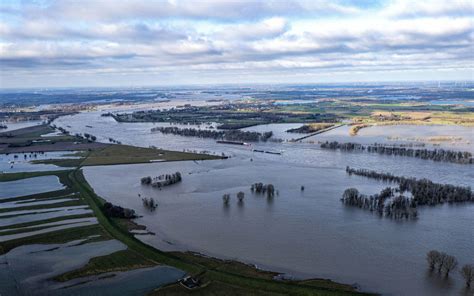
[
  {"x": 240, "y": 195},
  {"x": 433, "y": 257},
  {"x": 149, "y": 203},
  {"x": 450, "y": 263},
  {"x": 226, "y": 198},
  {"x": 467, "y": 272}
]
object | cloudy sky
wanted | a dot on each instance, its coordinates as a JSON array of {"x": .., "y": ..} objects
[{"x": 174, "y": 42}]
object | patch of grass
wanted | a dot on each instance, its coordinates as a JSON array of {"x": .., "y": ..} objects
[
  {"x": 77, "y": 154},
  {"x": 56, "y": 237},
  {"x": 39, "y": 227},
  {"x": 62, "y": 175},
  {"x": 213, "y": 288},
  {"x": 128, "y": 225},
  {"x": 70, "y": 196},
  {"x": 118, "y": 261},
  {"x": 217, "y": 285},
  {"x": 26, "y": 136},
  {"x": 225, "y": 265},
  {"x": 69, "y": 203},
  {"x": 44, "y": 195},
  {"x": 124, "y": 154},
  {"x": 327, "y": 284},
  {"x": 65, "y": 218}
]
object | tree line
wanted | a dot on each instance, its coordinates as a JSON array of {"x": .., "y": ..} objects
[
  {"x": 386, "y": 203},
  {"x": 462, "y": 157},
  {"x": 230, "y": 135},
  {"x": 260, "y": 188},
  {"x": 162, "y": 180},
  {"x": 423, "y": 191}
]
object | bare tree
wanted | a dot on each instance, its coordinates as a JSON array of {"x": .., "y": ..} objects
[
  {"x": 433, "y": 257},
  {"x": 226, "y": 198},
  {"x": 449, "y": 264},
  {"x": 441, "y": 261},
  {"x": 467, "y": 273}
]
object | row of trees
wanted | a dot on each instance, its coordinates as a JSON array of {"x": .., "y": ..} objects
[
  {"x": 149, "y": 203},
  {"x": 230, "y": 135},
  {"x": 260, "y": 188},
  {"x": 385, "y": 203},
  {"x": 240, "y": 197},
  {"x": 162, "y": 180},
  {"x": 112, "y": 140},
  {"x": 90, "y": 137},
  {"x": 462, "y": 157},
  {"x": 423, "y": 191},
  {"x": 445, "y": 263}
]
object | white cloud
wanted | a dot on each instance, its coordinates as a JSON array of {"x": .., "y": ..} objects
[{"x": 222, "y": 37}]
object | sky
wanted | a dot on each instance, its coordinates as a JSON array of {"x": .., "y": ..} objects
[{"x": 129, "y": 43}]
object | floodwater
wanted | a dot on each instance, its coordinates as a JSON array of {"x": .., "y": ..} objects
[
  {"x": 304, "y": 234},
  {"x": 34, "y": 202},
  {"x": 38, "y": 215},
  {"x": 29, "y": 186},
  {"x": 61, "y": 222},
  {"x": 27, "y": 270},
  {"x": 406, "y": 134}
]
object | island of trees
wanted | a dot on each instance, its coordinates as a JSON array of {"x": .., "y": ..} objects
[
  {"x": 162, "y": 180},
  {"x": 391, "y": 202},
  {"x": 310, "y": 128},
  {"x": 385, "y": 203},
  {"x": 230, "y": 135},
  {"x": 114, "y": 211},
  {"x": 462, "y": 157}
]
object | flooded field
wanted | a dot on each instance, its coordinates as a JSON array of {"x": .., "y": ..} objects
[
  {"x": 310, "y": 228},
  {"x": 17, "y": 162},
  {"x": 29, "y": 186}
]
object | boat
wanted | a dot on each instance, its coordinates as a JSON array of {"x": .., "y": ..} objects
[{"x": 232, "y": 142}]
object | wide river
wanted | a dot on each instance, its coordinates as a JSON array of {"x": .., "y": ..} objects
[{"x": 300, "y": 233}]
